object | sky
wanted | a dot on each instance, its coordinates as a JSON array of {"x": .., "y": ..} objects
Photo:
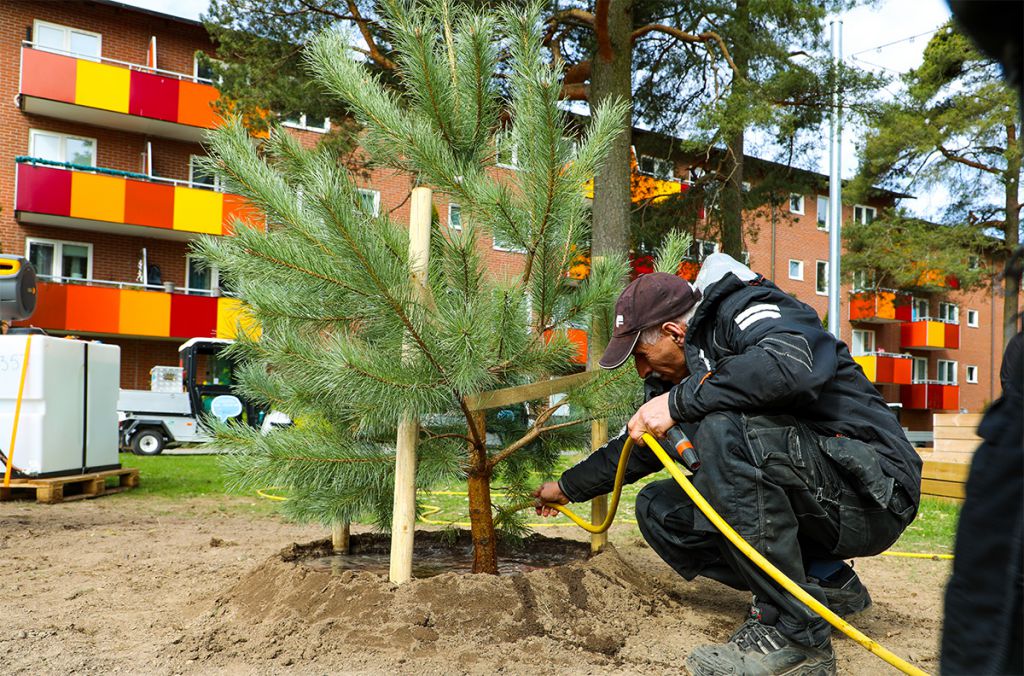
[{"x": 886, "y": 36}]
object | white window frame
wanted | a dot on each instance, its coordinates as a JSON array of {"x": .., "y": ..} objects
[
  {"x": 662, "y": 167},
  {"x": 971, "y": 374},
  {"x": 862, "y": 281},
  {"x": 818, "y": 265},
  {"x": 376, "y": 198},
  {"x": 800, "y": 202},
  {"x": 942, "y": 365},
  {"x": 514, "y": 155},
  {"x": 917, "y": 316},
  {"x": 195, "y": 70},
  {"x": 508, "y": 249},
  {"x": 58, "y": 257},
  {"x": 973, "y": 319},
  {"x": 218, "y": 184},
  {"x": 817, "y": 214},
  {"x": 453, "y": 205},
  {"x": 303, "y": 124},
  {"x": 944, "y": 311},
  {"x": 214, "y": 289},
  {"x": 914, "y": 377},
  {"x": 33, "y": 133},
  {"x": 866, "y": 336},
  {"x": 68, "y": 30},
  {"x": 864, "y": 209},
  {"x": 701, "y": 249}
]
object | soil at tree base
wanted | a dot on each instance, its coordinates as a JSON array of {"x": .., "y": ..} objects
[{"x": 161, "y": 586}]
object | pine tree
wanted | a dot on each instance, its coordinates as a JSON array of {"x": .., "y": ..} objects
[{"x": 346, "y": 349}]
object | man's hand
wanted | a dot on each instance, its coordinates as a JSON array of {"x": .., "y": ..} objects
[
  {"x": 549, "y": 491},
  {"x": 653, "y": 417}
]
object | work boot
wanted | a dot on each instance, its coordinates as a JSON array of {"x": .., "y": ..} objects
[
  {"x": 845, "y": 594},
  {"x": 758, "y": 648}
]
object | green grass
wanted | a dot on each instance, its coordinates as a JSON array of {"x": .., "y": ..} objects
[{"x": 934, "y": 529}]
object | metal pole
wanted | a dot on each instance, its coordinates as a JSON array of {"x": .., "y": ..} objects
[{"x": 835, "y": 187}]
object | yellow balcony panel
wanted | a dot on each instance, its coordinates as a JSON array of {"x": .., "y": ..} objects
[
  {"x": 198, "y": 210},
  {"x": 870, "y": 365},
  {"x": 936, "y": 334},
  {"x": 97, "y": 197},
  {"x": 99, "y": 85},
  {"x": 232, "y": 315},
  {"x": 145, "y": 313}
]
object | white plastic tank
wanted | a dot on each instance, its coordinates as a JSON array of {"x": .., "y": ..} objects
[
  {"x": 166, "y": 379},
  {"x": 68, "y": 420}
]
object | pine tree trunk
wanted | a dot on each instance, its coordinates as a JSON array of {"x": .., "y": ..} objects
[
  {"x": 1011, "y": 232},
  {"x": 732, "y": 193},
  {"x": 611, "y": 78},
  {"x": 481, "y": 516}
]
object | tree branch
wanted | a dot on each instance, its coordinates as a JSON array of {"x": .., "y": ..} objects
[
  {"x": 604, "y": 42},
  {"x": 950, "y": 155},
  {"x": 575, "y": 92},
  {"x": 364, "y": 29},
  {"x": 573, "y": 16},
  {"x": 683, "y": 36}
]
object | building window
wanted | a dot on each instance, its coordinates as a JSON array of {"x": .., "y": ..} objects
[
  {"x": 656, "y": 167},
  {"x": 745, "y": 258},
  {"x": 796, "y": 203},
  {"x": 823, "y": 209},
  {"x": 700, "y": 249},
  {"x": 946, "y": 372},
  {"x": 796, "y": 270},
  {"x": 974, "y": 262},
  {"x": 864, "y": 215},
  {"x": 63, "y": 39},
  {"x": 500, "y": 245},
  {"x": 200, "y": 176},
  {"x": 455, "y": 217},
  {"x": 369, "y": 200},
  {"x": 320, "y": 125},
  {"x": 863, "y": 342},
  {"x": 972, "y": 319},
  {"x": 821, "y": 279},
  {"x": 200, "y": 277},
  {"x": 920, "y": 309},
  {"x": 920, "y": 374},
  {"x": 949, "y": 313},
  {"x": 50, "y": 145},
  {"x": 506, "y": 153},
  {"x": 863, "y": 280},
  {"x": 59, "y": 260},
  {"x": 972, "y": 374}
]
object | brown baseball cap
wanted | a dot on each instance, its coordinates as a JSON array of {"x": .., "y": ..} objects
[{"x": 649, "y": 300}]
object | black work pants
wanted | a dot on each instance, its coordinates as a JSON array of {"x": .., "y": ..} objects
[{"x": 792, "y": 494}]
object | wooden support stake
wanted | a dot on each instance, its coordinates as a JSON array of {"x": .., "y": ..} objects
[
  {"x": 596, "y": 343},
  {"x": 403, "y": 520},
  {"x": 340, "y": 536}
]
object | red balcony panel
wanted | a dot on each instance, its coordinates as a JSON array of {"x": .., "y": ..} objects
[
  {"x": 914, "y": 396},
  {"x": 935, "y": 396},
  {"x": 952, "y": 336},
  {"x": 905, "y": 312},
  {"x": 51, "y": 307},
  {"x": 239, "y": 208},
  {"x": 92, "y": 309},
  {"x": 884, "y": 372},
  {"x": 149, "y": 204},
  {"x": 47, "y": 75},
  {"x": 901, "y": 371},
  {"x": 195, "y": 104},
  {"x": 43, "y": 190},
  {"x": 153, "y": 96},
  {"x": 193, "y": 316}
]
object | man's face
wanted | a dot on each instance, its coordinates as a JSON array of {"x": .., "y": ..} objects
[{"x": 664, "y": 357}]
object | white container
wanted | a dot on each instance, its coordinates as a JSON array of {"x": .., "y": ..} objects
[
  {"x": 166, "y": 379},
  {"x": 68, "y": 421}
]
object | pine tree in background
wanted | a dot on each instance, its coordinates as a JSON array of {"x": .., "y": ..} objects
[{"x": 346, "y": 349}]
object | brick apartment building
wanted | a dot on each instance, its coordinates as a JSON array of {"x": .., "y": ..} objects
[{"x": 103, "y": 112}]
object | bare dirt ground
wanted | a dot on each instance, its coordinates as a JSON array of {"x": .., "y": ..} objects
[{"x": 158, "y": 587}]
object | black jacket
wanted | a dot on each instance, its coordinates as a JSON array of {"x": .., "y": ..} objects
[{"x": 766, "y": 353}]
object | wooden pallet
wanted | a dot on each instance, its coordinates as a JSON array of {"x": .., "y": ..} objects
[{"x": 76, "y": 487}]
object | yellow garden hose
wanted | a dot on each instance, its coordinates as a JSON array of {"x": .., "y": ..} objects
[
  {"x": 737, "y": 540},
  {"x": 17, "y": 412}
]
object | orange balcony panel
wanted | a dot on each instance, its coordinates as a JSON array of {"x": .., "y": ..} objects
[
  {"x": 926, "y": 335},
  {"x": 153, "y": 96},
  {"x": 952, "y": 337},
  {"x": 43, "y": 190},
  {"x": 92, "y": 309},
  {"x": 97, "y": 197},
  {"x": 195, "y": 104},
  {"x": 193, "y": 316},
  {"x": 901, "y": 371},
  {"x": 149, "y": 204},
  {"x": 238, "y": 208},
  {"x": 100, "y": 85},
  {"x": 145, "y": 313},
  {"x": 579, "y": 339},
  {"x": 879, "y": 306},
  {"x": 886, "y": 368},
  {"x": 51, "y": 307},
  {"x": 48, "y": 76}
]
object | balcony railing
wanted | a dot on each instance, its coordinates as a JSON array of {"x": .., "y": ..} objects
[
  {"x": 928, "y": 333},
  {"x": 887, "y": 368},
  {"x": 880, "y": 306},
  {"x": 132, "y": 310},
  {"x": 116, "y": 94},
  {"x": 932, "y": 395},
  {"x": 90, "y": 198}
]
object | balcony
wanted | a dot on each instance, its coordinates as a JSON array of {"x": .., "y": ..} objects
[
  {"x": 132, "y": 311},
  {"x": 106, "y": 200},
  {"x": 880, "y": 307},
  {"x": 929, "y": 334},
  {"x": 931, "y": 395},
  {"x": 887, "y": 368},
  {"x": 116, "y": 94}
]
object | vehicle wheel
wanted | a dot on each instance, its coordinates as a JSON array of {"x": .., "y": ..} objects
[{"x": 147, "y": 441}]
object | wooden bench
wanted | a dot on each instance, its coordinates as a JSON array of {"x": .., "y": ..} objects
[
  {"x": 955, "y": 437},
  {"x": 944, "y": 480}
]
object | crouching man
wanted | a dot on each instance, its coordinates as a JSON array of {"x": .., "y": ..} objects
[{"x": 798, "y": 451}]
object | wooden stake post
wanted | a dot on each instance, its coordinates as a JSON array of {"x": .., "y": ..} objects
[
  {"x": 597, "y": 342},
  {"x": 404, "y": 514}
]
